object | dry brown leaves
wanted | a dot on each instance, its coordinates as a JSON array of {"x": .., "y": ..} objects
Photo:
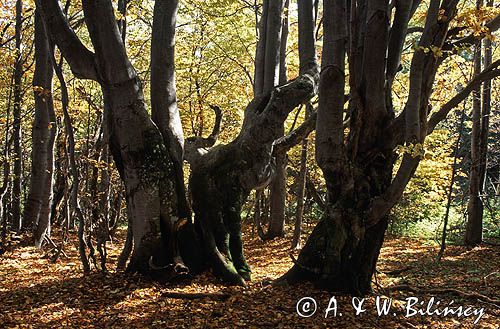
[{"x": 34, "y": 293}]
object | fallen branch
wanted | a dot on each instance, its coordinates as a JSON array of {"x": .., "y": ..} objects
[{"x": 457, "y": 292}]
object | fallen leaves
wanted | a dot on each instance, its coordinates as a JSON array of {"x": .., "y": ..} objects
[{"x": 37, "y": 293}]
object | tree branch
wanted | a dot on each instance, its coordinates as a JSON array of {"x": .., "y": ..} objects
[
  {"x": 471, "y": 39},
  {"x": 194, "y": 146},
  {"x": 285, "y": 143},
  {"x": 80, "y": 59},
  {"x": 488, "y": 73}
]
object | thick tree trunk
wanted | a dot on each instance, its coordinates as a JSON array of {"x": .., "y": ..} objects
[
  {"x": 223, "y": 177},
  {"x": 165, "y": 112},
  {"x": 342, "y": 251},
  {"x": 135, "y": 142},
  {"x": 42, "y": 82},
  {"x": 16, "y": 131},
  {"x": 37, "y": 208}
]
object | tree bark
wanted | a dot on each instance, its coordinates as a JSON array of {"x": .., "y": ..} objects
[
  {"x": 223, "y": 177},
  {"x": 277, "y": 188},
  {"x": 474, "y": 227},
  {"x": 165, "y": 112},
  {"x": 342, "y": 251},
  {"x": 135, "y": 142},
  {"x": 450, "y": 189},
  {"x": 42, "y": 82},
  {"x": 37, "y": 208},
  {"x": 301, "y": 192},
  {"x": 16, "y": 131}
]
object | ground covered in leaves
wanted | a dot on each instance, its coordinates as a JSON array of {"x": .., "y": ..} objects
[{"x": 34, "y": 292}]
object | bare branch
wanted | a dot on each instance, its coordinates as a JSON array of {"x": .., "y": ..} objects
[
  {"x": 489, "y": 73},
  {"x": 80, "y": 59},
  {"x": 285, "y": 143}
]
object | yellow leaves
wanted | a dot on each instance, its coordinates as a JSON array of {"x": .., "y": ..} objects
[
  {"x": 415, "y": 150},
  {"x": 474, "y": 20},
  {"x": 435, "y": 50},
  {"x": 41, "y": 92}
]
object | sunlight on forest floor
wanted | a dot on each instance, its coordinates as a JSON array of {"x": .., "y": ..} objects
[{"x": 36, "y": 293}]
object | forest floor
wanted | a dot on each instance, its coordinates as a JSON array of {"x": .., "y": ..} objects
[{"x": 36, "y": 293}]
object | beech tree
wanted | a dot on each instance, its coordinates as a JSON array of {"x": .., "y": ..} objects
[
  {"x": 135, "y": 141},
  {"x": 357, "y": 137},
  {"x": 16, "y": 130},
  {"x": 38, "y": 204},
  {"x": 358, "y": 162},
  {"x": 479, "y": 144}
]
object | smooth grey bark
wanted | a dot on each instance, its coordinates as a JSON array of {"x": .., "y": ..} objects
[
  {"x": 135, "y": 142},
  {"x": 307, "y": 22},
  {"x": 273, "y": 43},
  {"x": 16, "y": 131},
  {"x": 42, "y": 82},
  {"x": 165, "y": 112},
  {"x": 260, "y": 50},
  {"x": 37, "y": 207},
  {"x": 277, "y": 188},
  {"x": 45, "y": 219},
  {"x": 283, "y": 74},
  {"x": 224, "y": 176}
]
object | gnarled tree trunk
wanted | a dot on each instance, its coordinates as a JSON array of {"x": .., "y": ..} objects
[
  {"x": 223, "y": 177},
  {"x": 342, "y": 251}
]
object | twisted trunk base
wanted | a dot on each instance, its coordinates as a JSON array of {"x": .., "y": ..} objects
[{"x": 336, "y": 258}]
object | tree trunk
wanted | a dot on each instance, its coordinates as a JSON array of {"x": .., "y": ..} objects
[
  {"x": 301, "y": 191},
  {"x": 16, "y": 131},
  {"x": 260, "y": 51},
  {"x": 135, "y": 141},
  {"x": 342, "y": 251},
  {"x": 165, "y": 112},
  {"x": 474, "y": 228},
  {"x": 485, "y": 115},
  {"x": 42, "y": 82},
  {"x": 277, "y": 188},
  {"x": 37, "y": 208},
  {"x": 223, "y": 177},
  {"x": 450, "y": 189}
]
